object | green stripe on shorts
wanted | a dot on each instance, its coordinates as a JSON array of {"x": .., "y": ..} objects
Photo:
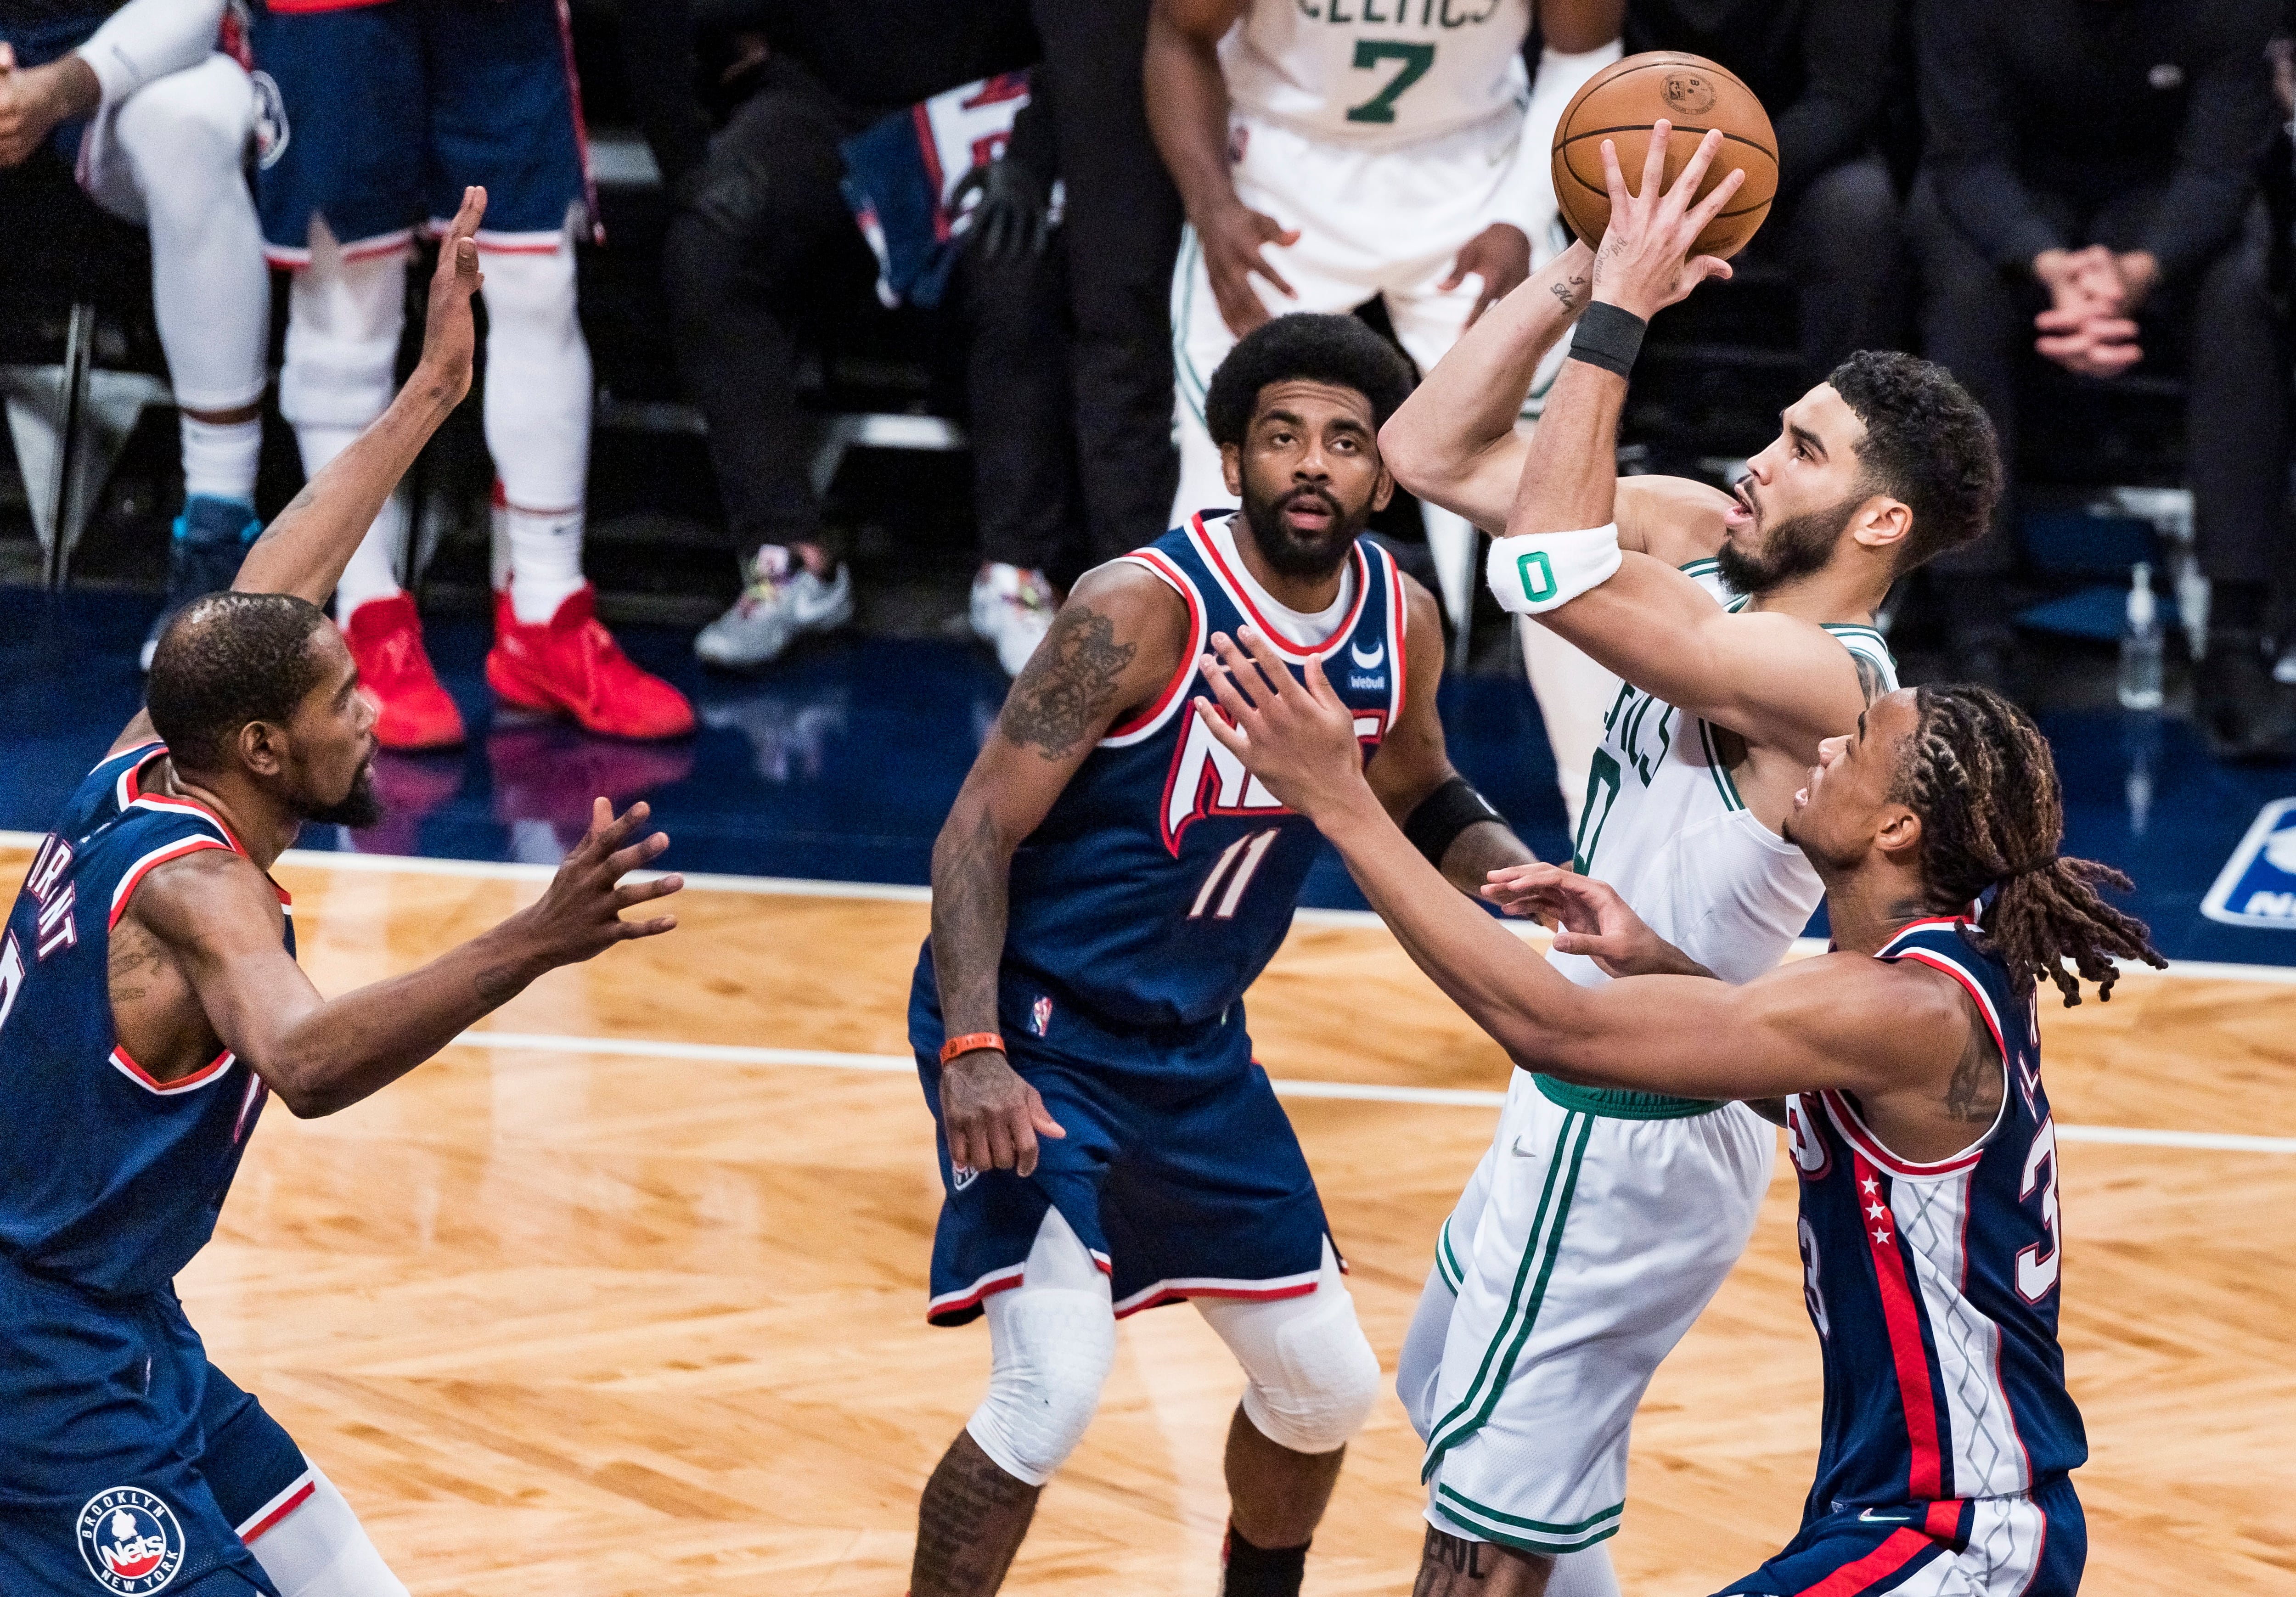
[{"x": 1532, "y": 1535}]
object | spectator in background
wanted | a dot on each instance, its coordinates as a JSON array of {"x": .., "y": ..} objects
[
  {"x": 2094, "y": 163},
  {"x": 157, "y": 122},
  {"x": 763, "y": 247},
  {"x": 1823, "y": 68}
]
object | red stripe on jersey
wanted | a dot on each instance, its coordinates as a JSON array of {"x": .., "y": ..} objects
[
  {"x": 1399, "y": 629},
  {"x": 143, "y": 1078},
  {"x": 1897, "y": 1549},
  {"x": 150, "y": 862},
  {"x": 1860, "y": 1137},
  {"x": 295, "y": 1497},
  {"x": 1977, "y": 993},
  {"x": 1231, "y": 1294},
  {"x": 1170, "y": 573},
  {"x": 1208, "y": 548},
  {"x": 1924, "y": 1479},
  {"x": 1943, "y": 1521}
]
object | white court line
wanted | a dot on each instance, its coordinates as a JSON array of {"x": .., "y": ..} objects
[
  {"x": 796, "y": 887},
  {"x": 1352, "y": 1092}
]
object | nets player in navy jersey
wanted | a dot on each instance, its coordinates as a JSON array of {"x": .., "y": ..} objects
[
  {"x": 1108, "y": 884},
  {"x": 150, "y": 1003},
  {"x": 1906, "y": 1066}
]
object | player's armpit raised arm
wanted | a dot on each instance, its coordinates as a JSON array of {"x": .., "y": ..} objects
[
  {"x": 1454, "y": 442},
  {"x": 217, "y": 914}
]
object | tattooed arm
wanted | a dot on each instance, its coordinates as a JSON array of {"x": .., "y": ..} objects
[
  {"x": 1454, "y": 442},
  {"x": 1112, "y": 648}
]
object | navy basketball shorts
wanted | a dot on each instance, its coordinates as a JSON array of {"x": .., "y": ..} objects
[
  {"x": 1180, "y": 1171},
  {"x": 2033, "y": 1545},
  {"x": 387, "y": 112},
  {"x": 127, "y": 1462}
]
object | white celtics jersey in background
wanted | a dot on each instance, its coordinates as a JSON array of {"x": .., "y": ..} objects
[
  {"x": 1378, "y": 73},
  {"x": 1662, "y": 823}
]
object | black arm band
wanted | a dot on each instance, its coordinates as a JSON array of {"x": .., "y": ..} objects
[
  {"x": 1446, "y": 813},
  {"x": 1608, "y": 337}
]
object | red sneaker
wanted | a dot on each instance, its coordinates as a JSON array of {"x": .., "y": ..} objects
[
  {"x": 412, "y": 710},
  {"x": 570, "y": 665}
]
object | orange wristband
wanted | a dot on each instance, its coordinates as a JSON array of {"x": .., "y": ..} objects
[{"x": 970, "y": 1042}]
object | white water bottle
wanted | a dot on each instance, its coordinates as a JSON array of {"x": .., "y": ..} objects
[{"x": 2140, "y": 645}]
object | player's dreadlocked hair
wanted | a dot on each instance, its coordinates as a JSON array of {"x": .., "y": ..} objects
[{"x": 1979, "y": 773}]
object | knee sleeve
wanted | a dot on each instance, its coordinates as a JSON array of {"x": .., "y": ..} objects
[
  {"x": 321, "y": 1550},
  {"x": 1052, "y": 1341},
  {"x": 342, "y": 340},
  {"x": 182, "y": 137},
  {"x": 1312, "y": 1377},
  {"x": 1422, "y": 1359},
  {"x": 538, "y": 396}
]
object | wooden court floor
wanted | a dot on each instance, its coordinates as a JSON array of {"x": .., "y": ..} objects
[{"x": 563, "y": 1320}]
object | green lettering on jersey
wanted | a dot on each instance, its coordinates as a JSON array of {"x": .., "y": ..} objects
[
  {"x": 1380, "y": 107},
  {"x": 1602, "y": 794}
]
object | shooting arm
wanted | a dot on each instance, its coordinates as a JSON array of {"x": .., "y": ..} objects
[
  {"x": 1114, "y": 645},
  {"x": 1412, "y": 763},
  {"x": 1187, "y": 97},
  {"x": 1454, "y": 442}
]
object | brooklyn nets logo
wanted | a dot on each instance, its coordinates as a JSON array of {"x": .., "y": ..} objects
[{"x": 130, "y": 1540}]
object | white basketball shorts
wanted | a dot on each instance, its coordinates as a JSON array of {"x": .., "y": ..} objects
[{"x": 1595, "y": 1230}]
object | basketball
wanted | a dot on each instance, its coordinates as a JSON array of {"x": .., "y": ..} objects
[{"x": 1693, "y": 94}]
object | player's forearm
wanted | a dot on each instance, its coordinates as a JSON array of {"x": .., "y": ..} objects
[
  {"x": 1187, "y": 114},
  {"x": 351, "y": 1047},
  {"x": 971, "y": 888},
  {"x": 304, "y": 551},
  {"x": 1570, "y": 478},
  {"x": 1486, "y": 846},
  {"x": 1504, "y": 986},
  {"x": 1454, "y": 441}
]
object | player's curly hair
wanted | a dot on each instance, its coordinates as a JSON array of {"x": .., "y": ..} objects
[
  {"x": 1339, "y": 350},
  {"x": 225, "y": 660},
  {"x": 1928, "y": 442},
  {"x": 1979, "y": 775}
]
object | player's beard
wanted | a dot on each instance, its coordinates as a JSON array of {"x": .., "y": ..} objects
[
  {"x": 359, "y": 808},
  {"x": 1794, "y": 547},
  {"x": 1287, "y": 552}
]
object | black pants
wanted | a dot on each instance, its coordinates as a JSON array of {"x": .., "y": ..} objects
[
  {"x": 765, "y": 251},
  {"x": 1842, "y": 240},
  {"x": 1123, "y": 232},
  {"x": 1978, "y": 320}
]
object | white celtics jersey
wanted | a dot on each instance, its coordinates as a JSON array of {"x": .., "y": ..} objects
[
  {"x": 1664, "y": 826},
  {"x": 1378, "y": 73}
]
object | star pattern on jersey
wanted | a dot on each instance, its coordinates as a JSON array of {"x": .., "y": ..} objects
[
  {"x": 1874, "y": 1211},
  {"x": 1870, "y": 1185},
  {"x": 1880, "y": 1237}
]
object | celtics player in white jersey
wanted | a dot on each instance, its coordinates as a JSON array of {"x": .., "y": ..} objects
[
  {"x": 1335, "y": 152},
  {"x": 1600, "y": 1223}
]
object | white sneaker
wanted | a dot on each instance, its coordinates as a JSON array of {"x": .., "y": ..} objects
[
  {"x": 783, "y": 599},
  {"x": 1013, "y": 609}
]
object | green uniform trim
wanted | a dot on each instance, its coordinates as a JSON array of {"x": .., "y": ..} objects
[
  {"x": 1724, "y": 783},
  {"x": 1193, "y": 386},
  {"x": 1532, "y": 1535},
  {"x": 1544, "y": 1247},
  {"x": 1446, "y": 1257},
  {"x": 1707, "y": 567},
  {"x": 1618, "y": 1103}
]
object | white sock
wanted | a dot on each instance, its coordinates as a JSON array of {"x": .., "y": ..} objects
[
  {"x": 1587, "y": 1573},
  {"x": 545, "y": 550},
  {"x": 219, "y": 457}
]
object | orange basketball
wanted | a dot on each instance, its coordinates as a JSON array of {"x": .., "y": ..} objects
[{"x": 1621, "y": 101}]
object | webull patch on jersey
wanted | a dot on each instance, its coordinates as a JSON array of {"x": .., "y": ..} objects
[
  {"x": 130, "y": 1540},
  {"x": 2257, "y": 885},
  {"x": 1207, "y": 780}
]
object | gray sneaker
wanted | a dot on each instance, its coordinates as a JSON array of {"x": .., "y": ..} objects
[{"x": 783, "y": 600}]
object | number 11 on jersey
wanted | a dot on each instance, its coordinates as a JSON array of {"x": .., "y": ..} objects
[{"x": 1235, "y": 865}]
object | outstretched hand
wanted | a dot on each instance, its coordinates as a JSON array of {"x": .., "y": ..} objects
[
  {"x": 1589, "y": 917},
  {"x": 1297, "y": 737},
  {"x": 580, "y": 915},
  {"x": 1643, "y": 263},
  {"x": 449, "y": 340},
  {"x": 1500, "y": 255}
]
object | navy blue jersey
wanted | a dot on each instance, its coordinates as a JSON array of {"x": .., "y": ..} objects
[
  {"x": 1164, "y": 877},
  {"x": 109, "y": 1180},
  {"x": 1934, "y": 1286}
]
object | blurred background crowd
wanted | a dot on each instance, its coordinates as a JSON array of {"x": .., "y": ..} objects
[{"x": 896, "y": 315}]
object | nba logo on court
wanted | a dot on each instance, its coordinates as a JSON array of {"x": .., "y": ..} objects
[
  {"x": 2257, "y": 885},
  {"x": 130, "y": 1540}
]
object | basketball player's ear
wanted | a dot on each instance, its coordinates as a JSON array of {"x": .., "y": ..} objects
[
  {"x": 1899, "y": 835},
  {"x": 262, "y": 748},
  {"x": 1882, "y": 522},
  {"x": 1382, "y": 490},
  {"x": 1232, "y": 468}
]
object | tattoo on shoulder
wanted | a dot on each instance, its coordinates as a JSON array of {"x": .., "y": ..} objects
[
  {"x": 1871, "y": 683},
  {"x": 1068, "y": 683},
  {"x": 1973, "y": 1095}
]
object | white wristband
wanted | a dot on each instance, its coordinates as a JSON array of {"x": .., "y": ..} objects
[{"x": 1534, "y": 573}]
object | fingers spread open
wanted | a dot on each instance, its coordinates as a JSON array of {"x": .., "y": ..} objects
[
  {"x": 1709, "y": 208},
  {"x": 1265, "y": 663},
  {"x": 1694, "y": 170},
  {"x": 637, "y": 854},
  {"x": 1614, "y": 180},
  {"x": 1654, "y": 161}
]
